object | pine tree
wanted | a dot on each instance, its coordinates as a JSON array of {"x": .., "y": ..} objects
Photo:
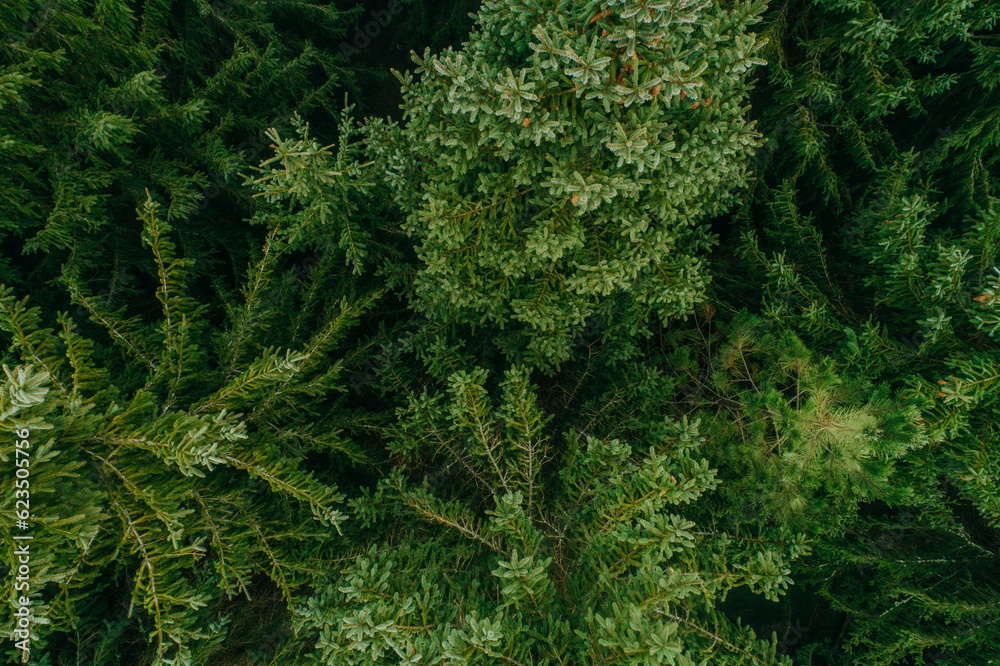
[
  {"x": 524, "y": 545},
  {"x": 100, "y": 103},
  {"x": 853, "y": 87},
  {"x": 186, "y": 454},
  {"x": 554, "y": 169},
  {"x": 796, "y": 438},
  {"x": 940, "y": 286},
  {"x": 872, "y": 235}
]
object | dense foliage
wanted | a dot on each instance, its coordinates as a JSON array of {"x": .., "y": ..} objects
[{"x": 649, "y": 332}]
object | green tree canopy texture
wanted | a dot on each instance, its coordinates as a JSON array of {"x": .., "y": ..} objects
[
  {"x": 555, "y": 170},
  {"x": 645, "y": 341}
]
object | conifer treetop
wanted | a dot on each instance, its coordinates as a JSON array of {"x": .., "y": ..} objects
[{"x": 564, "y": 155}]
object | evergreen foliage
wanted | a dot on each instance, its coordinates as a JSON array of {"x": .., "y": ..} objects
[
  {"x": 101, "y": 102},
  {"x": 554, "y": 168},
  {"x": 569, "y": 365},
  {"x": 535, "y": 556},
  {"x": 807, "y": 443},
  {"x": 872, "y": 234},
  {"x": 186, "y": 458}
]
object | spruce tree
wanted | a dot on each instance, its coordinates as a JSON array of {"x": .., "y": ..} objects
[
  {"x": 168, "y": 456},
  {"x": 524, "y": 545},
  {"x": 99, "y": 103},
  {"x": 872, "y": 235},
  {"x": 555, "y": 170},
  {"x": 792, "y": 435}
]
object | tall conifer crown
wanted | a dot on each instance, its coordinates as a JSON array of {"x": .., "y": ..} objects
[{"x": 559, "y": 166}]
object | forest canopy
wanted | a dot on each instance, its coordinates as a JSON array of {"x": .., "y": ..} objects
[{"x": 538, "y": 332}]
